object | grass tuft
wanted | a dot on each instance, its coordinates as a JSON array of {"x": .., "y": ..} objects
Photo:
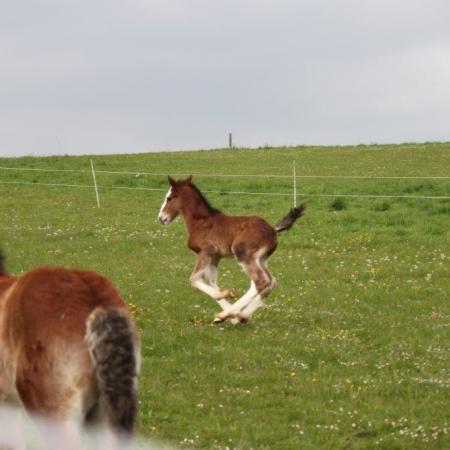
[{"x": 338, "y": 204}]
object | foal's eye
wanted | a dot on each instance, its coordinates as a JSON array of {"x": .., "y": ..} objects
[{"x": 169, "y": 199}]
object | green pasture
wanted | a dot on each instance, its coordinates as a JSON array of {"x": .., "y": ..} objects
[{"x": 353, "y": 349}]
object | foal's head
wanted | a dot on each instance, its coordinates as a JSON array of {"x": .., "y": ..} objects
[
  {"x": 172, "y": 204},
  {"x": 183, "y": 196}
]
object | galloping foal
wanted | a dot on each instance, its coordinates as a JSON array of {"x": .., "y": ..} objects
[
  {"x": 214, "y": 235},
  {"x": 69, "y": 349}
]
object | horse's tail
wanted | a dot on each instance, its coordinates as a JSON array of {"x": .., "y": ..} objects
[
  {"x": 287, "y": 221},
  {"x": 111, "y": 340}
]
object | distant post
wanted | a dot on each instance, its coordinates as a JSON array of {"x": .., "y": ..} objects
[
  {"x": 95, "y": 184},
  {"x": 230, "y": 140},
  {"x": 295, "y": 185}
]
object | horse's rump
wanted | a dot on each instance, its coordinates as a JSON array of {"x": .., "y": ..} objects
[{"x": 43, "y": 329}]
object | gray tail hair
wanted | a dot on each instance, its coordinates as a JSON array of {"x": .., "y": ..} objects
[
  {"x": 110, "y": 337},
  {"x": 287, "y": 221}
]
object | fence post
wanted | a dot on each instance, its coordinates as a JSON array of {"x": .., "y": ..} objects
[
  {"x": 95, "y": 184},
  {"x": 295, "y": 185},
  {"x": 230, "y": 140}
]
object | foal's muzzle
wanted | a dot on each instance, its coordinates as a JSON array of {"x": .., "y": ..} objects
[{"x": 165, "y": 220}]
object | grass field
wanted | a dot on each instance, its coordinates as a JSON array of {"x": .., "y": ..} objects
[{"x": 353, "y": 350}]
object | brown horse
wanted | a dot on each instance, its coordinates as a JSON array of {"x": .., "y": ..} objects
[
  {"x": 69, "y": 349},
  {"x": 214, "y": 235}
]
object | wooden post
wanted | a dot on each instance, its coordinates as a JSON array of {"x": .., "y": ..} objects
[
  {"x": 295, "y": 186},
  {"x": 95, "y": 184},
  {"x": 230, "y": 140}
]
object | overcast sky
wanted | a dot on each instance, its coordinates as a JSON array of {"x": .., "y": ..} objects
[{"x": 116, "y": 76}]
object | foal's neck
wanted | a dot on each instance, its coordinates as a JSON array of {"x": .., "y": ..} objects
[{"x": 195, "y": 208}]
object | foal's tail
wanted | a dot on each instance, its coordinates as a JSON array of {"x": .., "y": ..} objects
[
  {"x": 111, "y": 340},
  {"x": 287, "y": 221}
]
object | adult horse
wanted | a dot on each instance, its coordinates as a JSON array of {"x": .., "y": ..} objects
[
  {"x": 214, "y": 235},
  {"x": 69, "y": 350}
]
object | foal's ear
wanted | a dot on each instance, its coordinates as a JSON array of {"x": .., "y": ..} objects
[
  {"x": 171, "y": 181},
  {"x": 189, "y": 179}
]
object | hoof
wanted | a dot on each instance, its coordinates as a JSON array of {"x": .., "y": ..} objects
[
  {"x": 239, "y": 320},
  {"x": 219, "y": 319},
  {"x": 228, "y": 293},
  {"x": 224, "y": 315}
]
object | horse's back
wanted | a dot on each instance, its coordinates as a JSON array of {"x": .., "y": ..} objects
[
  {"x": 249, "y": 232},
  {"x": 57, "y": 301},
  {"x": 253, "y": 229}
]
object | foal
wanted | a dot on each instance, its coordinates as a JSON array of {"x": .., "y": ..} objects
[
  {"x": 69, "y": 349},
  {"x": 214, "y": 235}
]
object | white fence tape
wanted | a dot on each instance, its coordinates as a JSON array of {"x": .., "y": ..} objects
[
  {"x": 302, "y": 194},
  {"x": 155, "y": 174}
]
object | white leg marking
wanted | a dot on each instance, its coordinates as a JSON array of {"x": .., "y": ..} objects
[
  {"x": 252, "y": 292},
  {"x": 208, "y": 284},
  {"x": 244, "y": 300},
  {"x": 214, "y": 294},
  {"x": 210, "y": 275},
  {"x": 255, "y": 304},
  {"x": 224, "y": 304},
  {"x": 198, "y": 283},
  {"x": 237, "y": 306},
  {"x": 252, "y": 300}
]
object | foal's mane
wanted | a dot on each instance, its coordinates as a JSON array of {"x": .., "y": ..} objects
[{"x": 213, "y": 211}]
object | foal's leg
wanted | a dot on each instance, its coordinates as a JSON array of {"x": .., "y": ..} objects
[
  {"x": 260, "y": 286},
  {"x": 257, "y": 302},
  {"x": 210, "y": 277},
  {"x": 257, "y": 277},
  {"x": 204, "y": 278},
  {"x": 258, "y": 281}
]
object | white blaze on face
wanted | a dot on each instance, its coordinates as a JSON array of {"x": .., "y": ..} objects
[{"x": 162, "y": 216}]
